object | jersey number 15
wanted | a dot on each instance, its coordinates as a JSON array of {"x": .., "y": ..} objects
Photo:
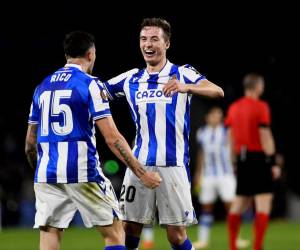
[{"x": 49, "y": 103}]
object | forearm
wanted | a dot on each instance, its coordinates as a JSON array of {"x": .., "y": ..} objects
[
  {"x": 205, "y": 89},
  {"x": 267, "y": 141},
  {"x": 30, "y": 145},
  {"x": 31, "y": 155},
  {"x": 269, "y": 147},
  {"x": 121, "y": 149}
]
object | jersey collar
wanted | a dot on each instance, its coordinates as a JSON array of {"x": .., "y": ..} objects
[
  {"x": 73, "y": 65},
  {"x": 164, "y": 71}
]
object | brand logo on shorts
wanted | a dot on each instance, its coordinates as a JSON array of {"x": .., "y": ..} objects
[{"x": 102, "y": 186}]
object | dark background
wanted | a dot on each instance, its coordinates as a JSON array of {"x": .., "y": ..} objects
[{"x": 223, "y": 42}]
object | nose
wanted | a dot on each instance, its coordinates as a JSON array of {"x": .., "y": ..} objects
[{"x": 148, "y": 43}]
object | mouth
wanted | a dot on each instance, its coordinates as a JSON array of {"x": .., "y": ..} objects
[{"x": 149, "y": 52}]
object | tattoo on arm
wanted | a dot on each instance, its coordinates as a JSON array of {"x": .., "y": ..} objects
[
  {"x": 136, "y": 168},
  {"x": 122, "y": 152}
]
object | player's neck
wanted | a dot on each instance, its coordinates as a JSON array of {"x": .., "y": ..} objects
[
  {"x": 79, "y": 62},
  {"x": 156, "y": 68},
  {"x": 213, "y": 125},
  {"x": 252, "y": 94}
]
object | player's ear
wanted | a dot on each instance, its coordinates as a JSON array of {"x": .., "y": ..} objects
[
  {"x": 167, "y": 44},
  {"x": 89, "y": 55}
]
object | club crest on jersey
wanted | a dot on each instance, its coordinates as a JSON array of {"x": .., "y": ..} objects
[{"x": 151, "y": 96}]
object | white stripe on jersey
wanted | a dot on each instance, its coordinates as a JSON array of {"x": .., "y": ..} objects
[
  {"x": 82, "y": 161},
  {"x": 98, "y": 168},
  {"x": 127, "y": 94},
  {"x": 95, "y": 93},
  {"x": 61, "y": 170},
  {"x": 42, "y": 171},
  {"x": 143, "y": 121},
  {"x": 179, "y": 114},
  {"x": 160, "y": 134}
]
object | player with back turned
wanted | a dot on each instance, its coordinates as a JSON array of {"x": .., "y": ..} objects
[{"x": 61, "y": 147}]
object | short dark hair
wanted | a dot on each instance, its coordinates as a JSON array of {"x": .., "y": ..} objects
[
  {"x": 77, "y": 43},
  {"x": 251, "y": 79},
  {"x": 158, "y": 22}
]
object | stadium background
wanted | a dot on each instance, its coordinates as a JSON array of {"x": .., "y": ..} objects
[{"x": 223, "y": 42}]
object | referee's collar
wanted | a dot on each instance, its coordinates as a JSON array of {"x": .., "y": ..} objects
[{"x": 73, "y": 65}]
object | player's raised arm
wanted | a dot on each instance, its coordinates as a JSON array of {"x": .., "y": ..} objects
[
  {"x": 30, "y": 145},
  {"x": 206, "y": 88},
  {"x": 121, "y": 149}
]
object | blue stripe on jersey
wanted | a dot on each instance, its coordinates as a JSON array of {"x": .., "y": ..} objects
[
  {"x": 170, "y": 135},
  {"x": 72, "y": 163},
  {"x": 52, "y": 164},
  {"x": 186, "y": 131},
  {"x": 40, "y": 153},
  {"x": 151, "y": 119},
  {"x": 171, "y": 157}
]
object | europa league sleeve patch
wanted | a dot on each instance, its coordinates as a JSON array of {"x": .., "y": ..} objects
[{"x": 103, "y": 94}]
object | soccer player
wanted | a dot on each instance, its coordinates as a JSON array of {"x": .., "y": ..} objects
[
  {"x": 248, "y": 122},
  {"x": 61, "y": 146},
  {"x": 159, "y": 97},
  {"x": 214, "y": 173}
]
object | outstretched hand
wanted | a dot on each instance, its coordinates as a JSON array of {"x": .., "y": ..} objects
[{"x": 173, "y": 86}]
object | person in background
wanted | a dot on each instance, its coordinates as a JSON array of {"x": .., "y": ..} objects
[{"x": 249, "y": 128}]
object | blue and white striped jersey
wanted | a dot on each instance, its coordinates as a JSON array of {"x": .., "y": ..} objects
[
  {"x": 216, "y": 151},
  {"x": 162, "y": 123},
  {"x": 65, "y": 106}
]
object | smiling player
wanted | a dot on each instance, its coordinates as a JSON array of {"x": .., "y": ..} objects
[{"x": 159, "y": 97}]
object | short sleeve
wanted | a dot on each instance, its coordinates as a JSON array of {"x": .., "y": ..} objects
[
  {"x": 191, "y": 75},
  {"x": 115, "y": 86},
  {"x": 264, "y": 115},
  {"x": 98, "y": 101},
  {"x": 34, "y": 109}
]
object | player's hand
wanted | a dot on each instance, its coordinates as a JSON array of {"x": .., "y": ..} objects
[
  {"x": 276, "y": 172},
  {"x": 173, "y": 86},
  {"x": 151, "y": 179}
]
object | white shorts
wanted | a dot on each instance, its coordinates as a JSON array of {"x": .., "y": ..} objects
[
  {"x": 56, "y": 204},
  {"x": 214, "y": 186},
  {"x": 172, "y": 198}
]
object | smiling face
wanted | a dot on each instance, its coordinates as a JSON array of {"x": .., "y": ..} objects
[{"x": 153, "y": 45}]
